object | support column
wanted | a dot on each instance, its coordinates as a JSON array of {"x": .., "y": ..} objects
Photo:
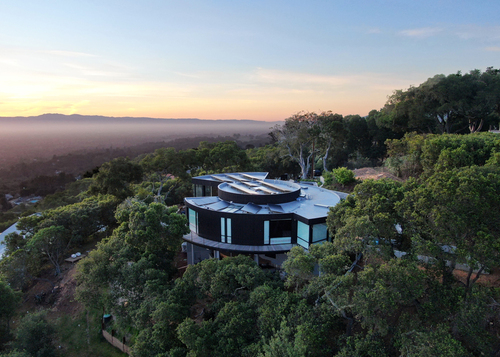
[
  {"x": 256, "y": 258},
  {"x": 217, "y": 254}
]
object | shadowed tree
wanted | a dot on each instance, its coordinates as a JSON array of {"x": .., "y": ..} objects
[
  {"x": 9, "y": 302},
  {"x": 35, "y": 336},
  {"x": 53, "y": 242},
  {"x": 114, "y": 178}
]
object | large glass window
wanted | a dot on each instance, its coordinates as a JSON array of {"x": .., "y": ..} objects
[
  {"x": 193, "y": 220},
  {"x": 320, "y": 233},
  {"x": 278, "y": 231},
  {"x": 303, "y": 234},
  {"x": 225, "y": 230}
]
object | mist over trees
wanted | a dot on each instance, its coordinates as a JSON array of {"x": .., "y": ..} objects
[{"x": 46, "y": 135}]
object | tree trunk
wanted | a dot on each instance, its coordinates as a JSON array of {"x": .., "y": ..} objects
[{"x": 325, "y": 157}]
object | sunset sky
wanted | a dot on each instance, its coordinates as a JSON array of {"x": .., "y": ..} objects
[{"x": 262, "y": 60}]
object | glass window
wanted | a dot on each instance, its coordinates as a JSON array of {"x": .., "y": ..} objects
[
  {"x": 280, "y": 228},
  {"x": 225, "y": 230},
  {"x": 278, "y": 231},
  {"x": 281, "y": 240},
  {"x": 303, "y": 231},
  {"x": 320, "y": 232},
  {"x": 266, "y": 232},
  {"x": 198, "y": 190},
  {"x": 302, "y": 243},
  {"x": 193, "y": 220},
  {"x": 303, "y": 234}
]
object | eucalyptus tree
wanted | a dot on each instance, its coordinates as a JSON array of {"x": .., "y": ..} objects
[
  {"x": 298, "y": 137},
  {"x": 331, "y": 135}
]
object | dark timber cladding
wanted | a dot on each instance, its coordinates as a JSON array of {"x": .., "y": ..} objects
[{"x": 251, "y": 214}]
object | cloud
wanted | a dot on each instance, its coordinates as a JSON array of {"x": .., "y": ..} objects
[
  {"x": 89, "y": 71},
  {"x": 9, "y": 62},
  {"x": 483, "y": 33},
  {"x": 464, "y": 32},
  {"x": 423, "y": 32},
  {"x": 286, "y": 77},
  {"x": 197, "y": 75},
  {"x": 374, "y": 30},
  {"x": 493, "y": 49},
  {"x": 69, "y": 53}
]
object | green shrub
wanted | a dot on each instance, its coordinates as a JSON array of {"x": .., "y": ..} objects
[
  {"x": 35, "y": 336},
  {"x": 343, "y": 175},
  {"x": 330, "y": 179}
]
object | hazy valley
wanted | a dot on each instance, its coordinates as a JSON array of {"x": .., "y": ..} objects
[{"x": 41, "y": 137}]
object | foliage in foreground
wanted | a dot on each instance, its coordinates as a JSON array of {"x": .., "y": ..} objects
[
  {"x": 436, "y": 223},
  {"x": 35, "y": 336}
]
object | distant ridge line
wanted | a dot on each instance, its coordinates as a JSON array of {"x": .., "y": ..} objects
[{"x": 102, "y": 118}]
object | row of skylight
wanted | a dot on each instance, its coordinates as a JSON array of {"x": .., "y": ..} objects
[{"x": 251, "y": 185}]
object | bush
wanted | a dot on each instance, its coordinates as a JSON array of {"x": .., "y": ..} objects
[
  {"x": 330, "y": 179},
  {"x": 34, "y": 336},
  {"x": 343, "y": 175}
]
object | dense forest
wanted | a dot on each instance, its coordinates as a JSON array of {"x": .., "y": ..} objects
[{"x": 406, "y": 272}]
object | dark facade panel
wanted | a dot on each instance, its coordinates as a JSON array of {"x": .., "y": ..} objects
[
  {"x": 246, "y": 229},
  {"x": 208, "y": 224}
]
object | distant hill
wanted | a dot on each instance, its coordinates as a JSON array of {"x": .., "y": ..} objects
[
  {"x": 99, "y": 119},
  {"x": 41, "y": 137}
]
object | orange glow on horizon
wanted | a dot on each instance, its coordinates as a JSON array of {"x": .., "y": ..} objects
[{"x": 187, "y": 108}]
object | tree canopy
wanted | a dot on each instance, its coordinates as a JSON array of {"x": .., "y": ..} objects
[{"x": 457, "y": 103}]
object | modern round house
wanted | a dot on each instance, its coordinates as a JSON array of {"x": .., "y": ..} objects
[{"x": 248, "y": 213}]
